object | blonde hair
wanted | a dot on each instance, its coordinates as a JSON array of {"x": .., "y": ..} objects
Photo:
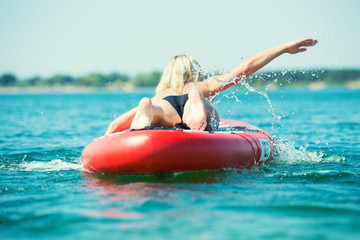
[{"x": 181, "y": 70}]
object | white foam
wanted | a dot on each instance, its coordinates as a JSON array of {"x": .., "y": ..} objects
[
  {"x": 287, "y": 153},
  {"x": 54, "y": 165}
]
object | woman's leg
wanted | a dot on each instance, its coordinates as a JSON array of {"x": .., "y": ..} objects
[
  {"x": 195, "y": 112},
  {"x": 161, "y": 114},
  {"x": 199, "y": 113}
]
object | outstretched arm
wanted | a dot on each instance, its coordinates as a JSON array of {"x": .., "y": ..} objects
[{"x": 251, "y": 65}]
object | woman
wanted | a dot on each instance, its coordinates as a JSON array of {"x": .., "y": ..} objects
[{"x": 182, "y": 95}]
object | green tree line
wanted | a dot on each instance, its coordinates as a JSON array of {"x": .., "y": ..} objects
[
  {"x": 281, "y": 78},
  {"x": 301, "y": 77},
  {"x": 90, "y": 80}
]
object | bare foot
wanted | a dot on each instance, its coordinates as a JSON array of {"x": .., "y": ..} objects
[
  {"x": 194, "y": 112},
  {"x": 144, "y": 115}
]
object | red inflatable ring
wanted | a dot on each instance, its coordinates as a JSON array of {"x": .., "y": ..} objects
[{"x": 235, "y": 145}]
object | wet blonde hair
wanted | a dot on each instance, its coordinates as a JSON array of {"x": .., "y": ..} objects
[{"x": 181, "y": 70}]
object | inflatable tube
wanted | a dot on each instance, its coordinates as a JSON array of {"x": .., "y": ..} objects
[{"x": 235, "y": 145}]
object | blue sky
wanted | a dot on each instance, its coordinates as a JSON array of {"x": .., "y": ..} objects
[{"x": 40, "y": 37}]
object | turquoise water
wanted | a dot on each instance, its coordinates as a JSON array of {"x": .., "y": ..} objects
[{"x": 310, "y": 191}]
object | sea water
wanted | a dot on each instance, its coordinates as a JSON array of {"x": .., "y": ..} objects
[{"x": 311, "y": 190}]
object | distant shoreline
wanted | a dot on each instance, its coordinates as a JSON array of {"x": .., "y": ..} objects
[
  {"x": 70, "y": 89},
  {"x": 313, "y": 79},
  {"x": 320, "y": 85}
]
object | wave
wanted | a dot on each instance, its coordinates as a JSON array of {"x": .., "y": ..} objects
[
  {"x": 286, "y": 153},
  {"x": 316, "y": 175},
  {"x": 42, "y": 166}
]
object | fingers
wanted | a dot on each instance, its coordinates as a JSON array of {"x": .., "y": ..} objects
[
  {"x": 300, "y": 45},
  {"x": 310, "y": 42}
]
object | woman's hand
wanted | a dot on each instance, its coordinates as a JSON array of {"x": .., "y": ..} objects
[{"x": 300, "y": 45}]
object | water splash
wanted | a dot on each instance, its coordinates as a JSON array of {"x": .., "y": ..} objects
[
  {"x": 287, "y": 153},
  {"x": 203, "y": 73},
  {"x": 271, "y": 109},
  {"x": 42, "y": 166}
]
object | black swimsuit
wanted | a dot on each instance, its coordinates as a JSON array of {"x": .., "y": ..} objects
[{"x": 178, "y": 102}]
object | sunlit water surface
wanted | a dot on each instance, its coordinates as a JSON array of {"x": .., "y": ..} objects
[{"x": 311, "y": 190}]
